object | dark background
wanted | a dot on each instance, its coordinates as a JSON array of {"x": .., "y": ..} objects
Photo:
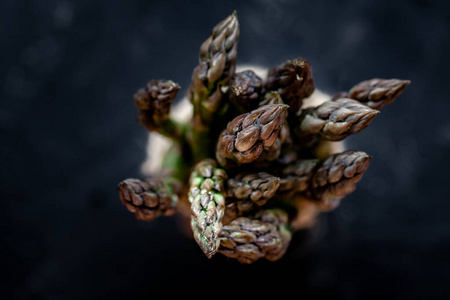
[{"x": 68, "y": 135}]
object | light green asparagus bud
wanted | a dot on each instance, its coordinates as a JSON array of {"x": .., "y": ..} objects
[
  {"x": 376, "y": 93},
  {"x": 247, "y": 239},
  {"x": 207, "y": 198}
]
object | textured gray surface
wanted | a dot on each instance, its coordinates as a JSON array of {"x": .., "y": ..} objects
[{"x": 69, "y": 135}]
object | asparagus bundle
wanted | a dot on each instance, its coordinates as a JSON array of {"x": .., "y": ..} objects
[{"x": 250, "y": 166}]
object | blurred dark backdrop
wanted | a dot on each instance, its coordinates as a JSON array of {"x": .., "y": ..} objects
[{"x": 68, "y": 135}]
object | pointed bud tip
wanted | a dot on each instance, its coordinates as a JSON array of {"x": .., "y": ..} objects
[
  {"x": 364, "y": 154},
  {"x": 407, "y": 82},
  {"x": 173, "y": 83}
]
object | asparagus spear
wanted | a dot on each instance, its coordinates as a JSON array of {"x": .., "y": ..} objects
[
  {"x": 333, "y": 120},
  {"x": 293, "y": 80},
  {"x": 336, "y": 177},
  {"x": 217, "y": 65},
  {"x": 377, "y": 93},
  {"x": 246, "y": 135},
  {"x": 279, "y": 151},
  {"x": 258, "y": 187},
  {"x": 223, "y": 39},
  {"x": 207, "y": 198},
  {"x": 247, "y": 192},
  {"x": 235, "y": 207},
  {"x": 154, "y": 103},
  {"x": 245, "y": 90},
  {"x": 326, "y": 181},
  {"x": 150, "y": 198},
  {"x": 296, "y": 177},
  {"x": 157, "y": 96},
  {"x": 247, "y": 239}
]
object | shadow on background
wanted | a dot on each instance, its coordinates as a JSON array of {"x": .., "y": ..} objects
[{"x": 69, "y": 134}]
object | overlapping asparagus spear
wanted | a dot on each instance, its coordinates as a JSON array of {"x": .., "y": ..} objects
[
  {"x": 247, "y": 192},
  {"x": 214, "y": 72},
  {"x": 207, "y": 198},
  {"x": 326, "y": 182},
  {"x": 337, "y": 176},
  {"x": 246, "y": 135},
  {"x": 154, "y": 102},
  {"x": 245, "y": 91},
  {"x": 333, "y": 120},
  {"x": 247, "y": 239},
  {"x": 376, "y": 93},
  {"x": 250, "y": 180},
  {"x": 150, "y": 198},
  {"x": 293, "y": 80},
  {"x": 258, "y": 187}
]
